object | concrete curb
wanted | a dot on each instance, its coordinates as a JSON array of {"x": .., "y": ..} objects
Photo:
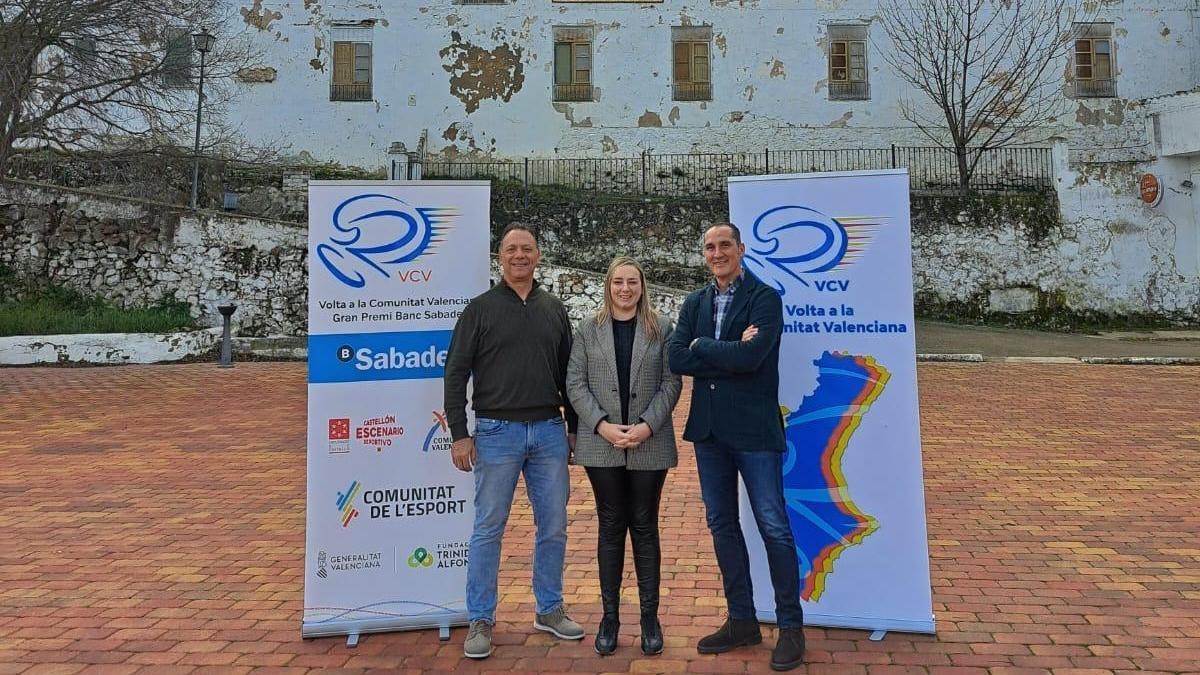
[
  {"x": 950, "y": 358},
  {"x": 1141, "y": 360}
]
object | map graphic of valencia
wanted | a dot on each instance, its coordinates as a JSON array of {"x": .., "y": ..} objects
[{"x": 823, "y": 517}]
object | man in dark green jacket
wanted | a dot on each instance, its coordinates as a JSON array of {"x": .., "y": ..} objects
[{"x": 514, "y": 341}]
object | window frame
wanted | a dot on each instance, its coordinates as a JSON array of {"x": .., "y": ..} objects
[
  {"x": 354, "y": 90},
  {"x": 180, "y": 75},
  {"x": 1089, "y": 85},
  {"x": 691, "y": 88},
  {"x": 841, "y": 43},
  {"x": 578, "y": 89}
]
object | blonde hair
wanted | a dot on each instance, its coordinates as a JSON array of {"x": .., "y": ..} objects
[{"x": 645, "y": 315}]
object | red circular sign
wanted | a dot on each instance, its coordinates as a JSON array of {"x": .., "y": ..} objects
[{"x": 1149, "y": 189}]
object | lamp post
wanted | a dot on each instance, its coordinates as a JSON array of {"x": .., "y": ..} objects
[{"x": 203, "y": 42}]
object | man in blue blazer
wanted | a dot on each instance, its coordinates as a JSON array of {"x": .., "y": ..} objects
[{"x": 727, "y": 339}]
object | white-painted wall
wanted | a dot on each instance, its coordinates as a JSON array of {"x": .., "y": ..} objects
[{"x": 768, "y": 69}]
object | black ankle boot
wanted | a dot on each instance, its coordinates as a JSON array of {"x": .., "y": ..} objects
[
  {"x": 731, "y": 635},
  {"x": 789, "y": 649},
  {"x": 652, "y": 637},
  {"x": 606, "y": 636}
]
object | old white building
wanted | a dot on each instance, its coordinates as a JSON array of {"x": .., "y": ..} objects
[
  {"x": 343, "y": 80},
  {"x": 347, "y": 80}
]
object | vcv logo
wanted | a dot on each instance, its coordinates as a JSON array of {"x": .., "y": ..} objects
[
  {"x": 420, "y": 558},
  {"x": 790, "y": 244},
  {"x": 379, "y": 234},
  {"x": 321, "y": 569},
  {"x": 438, "y": 437},
  {"x": 345, "y": 503}
]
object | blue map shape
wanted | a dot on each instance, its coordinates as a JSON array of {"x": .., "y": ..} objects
[{"x": 824, "y": 520}]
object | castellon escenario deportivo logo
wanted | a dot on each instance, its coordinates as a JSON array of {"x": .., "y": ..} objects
[
  {"x": 789, "y": 245},
  {"x": 377, "y": 235}
]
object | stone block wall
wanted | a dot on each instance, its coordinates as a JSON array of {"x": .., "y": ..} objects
[
  {"x": 1004, "y": 255},
  {"x": 138, "y": 253}
]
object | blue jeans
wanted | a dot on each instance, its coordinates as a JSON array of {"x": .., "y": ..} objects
[
  {"x": 762, "y": 473},
  {"x": 505, "y": 450}
]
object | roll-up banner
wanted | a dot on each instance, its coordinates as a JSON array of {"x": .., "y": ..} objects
[
  {"x": 391, "y": 265},
  {"x": 837, "y": 247}
]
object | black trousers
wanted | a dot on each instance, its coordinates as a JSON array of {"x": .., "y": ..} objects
[{"x": 627, "y": 502}]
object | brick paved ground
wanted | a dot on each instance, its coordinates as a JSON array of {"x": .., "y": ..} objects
[{"x": 152, "y": 518}]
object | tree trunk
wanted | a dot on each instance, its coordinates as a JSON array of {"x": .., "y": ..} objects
[{"x": 964, "y": 170}]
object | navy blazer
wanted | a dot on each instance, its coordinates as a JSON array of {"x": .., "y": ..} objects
[{"x": 735, "y": 390}]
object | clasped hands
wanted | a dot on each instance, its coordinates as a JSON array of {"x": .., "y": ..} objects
[{"x": 624, "y": 436}]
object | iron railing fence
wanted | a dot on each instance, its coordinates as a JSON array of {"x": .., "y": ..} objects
[
  {"x": 574, "y": 92},
  {"x": 931, "y": 169},
  {"x": 280, "y": 191},
  {"x": 350, "y": 92},
  {"x": 691, "y": 91}
]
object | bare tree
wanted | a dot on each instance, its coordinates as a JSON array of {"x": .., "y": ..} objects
[
  {"x": 82, "y": 74},
  {"x": 992, "y": 69}
]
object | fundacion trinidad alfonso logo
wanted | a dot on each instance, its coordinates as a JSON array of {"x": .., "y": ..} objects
[
  {"x": 788, "y": 243},
  {"x": 378, "y": 233},
  {"x": 420, "y": 558}
]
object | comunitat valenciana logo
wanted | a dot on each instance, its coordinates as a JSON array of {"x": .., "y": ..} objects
[
  {"x": 438, "y": 437},
  {"x": 790, "y": 245},
  {"x": 420, "y": 557},
  {"x": 377, "y": 237}
]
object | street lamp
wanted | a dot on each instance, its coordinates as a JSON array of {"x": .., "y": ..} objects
[{"x": 203, "y": 41}]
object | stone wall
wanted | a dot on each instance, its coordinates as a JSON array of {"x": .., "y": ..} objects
[
  {"x": 136, "y": 253},
  {"x": 1012, "y": 255}
]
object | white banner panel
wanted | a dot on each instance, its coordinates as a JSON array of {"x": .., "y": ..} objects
[
  {"x": 837, "y": 247},
  {"x": 390, "y": 265}
]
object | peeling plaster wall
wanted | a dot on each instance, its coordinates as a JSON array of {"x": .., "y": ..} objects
[{"x": 488, "y": 70}]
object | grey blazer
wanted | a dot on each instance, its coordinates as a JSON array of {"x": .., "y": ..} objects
[{"x": 653, "y": 393}]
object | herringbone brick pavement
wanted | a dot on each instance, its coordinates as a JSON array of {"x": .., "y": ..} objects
[{"x": 152, "y": 519}]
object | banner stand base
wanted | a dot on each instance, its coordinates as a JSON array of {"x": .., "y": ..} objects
[
  {"x": 879, "y": 627},
  {"x": 353, "y": 629}
]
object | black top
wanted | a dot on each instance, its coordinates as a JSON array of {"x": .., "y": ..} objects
[
  {"x": 517, "y": 352},
  {"x": 623, "y": 346}
]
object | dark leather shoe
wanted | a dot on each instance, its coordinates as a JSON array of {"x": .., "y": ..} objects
[
  {"x": 789, "y": 649},
  {"x": 652, "y": 637},
  {"x": 731, "y": 635},
  {"x": 606, "y": 636}
]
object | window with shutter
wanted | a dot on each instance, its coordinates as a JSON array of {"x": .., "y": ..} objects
[
  {"x": 691, "y": 73},
  {"x": 1093, "y": 68},
  {"x": 573, "y": 64},
  {"x": 351, "y": 72},
  {"x": 848, "y": 80},
  {"x": 177, "y": 61}
]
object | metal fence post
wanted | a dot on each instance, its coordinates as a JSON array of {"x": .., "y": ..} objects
[
  {"x": 526, "y": 182},
  {"x": 767, "y": 160},
  {"x": 894, "y": 156},
  {"x": 643, "y": 172}
]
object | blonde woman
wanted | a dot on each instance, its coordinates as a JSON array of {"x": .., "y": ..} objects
[{"x": 621, "y": 386}]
